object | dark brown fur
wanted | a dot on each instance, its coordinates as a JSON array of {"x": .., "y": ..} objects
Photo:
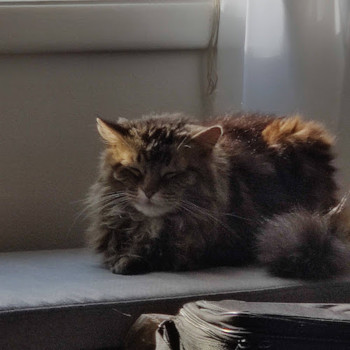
[{"x": 231, "y": 190}]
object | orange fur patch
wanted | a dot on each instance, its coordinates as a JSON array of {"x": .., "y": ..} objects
[
  {"x": 119, "y": 148},
  {"x": 122, "y": 154},
  {"x": 294, "y": 130}
]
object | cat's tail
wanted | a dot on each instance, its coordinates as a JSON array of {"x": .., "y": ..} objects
[{"x": 306, "y": 245}]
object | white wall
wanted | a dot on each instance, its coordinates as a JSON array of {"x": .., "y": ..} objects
[{"x": 49, "y": 145}]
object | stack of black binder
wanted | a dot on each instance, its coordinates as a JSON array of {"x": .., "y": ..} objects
[{"x": 230, "y": 324}]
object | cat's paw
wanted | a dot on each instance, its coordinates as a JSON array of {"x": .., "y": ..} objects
[{"x": 127, "y": 265}]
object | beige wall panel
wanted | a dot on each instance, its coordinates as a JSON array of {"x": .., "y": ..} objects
[{"x": 49, "y": 146}]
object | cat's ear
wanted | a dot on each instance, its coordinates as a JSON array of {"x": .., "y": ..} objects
[
  {"x": 208, "y": 137},
  {"x": 115, "y": 137},
  {"x": 109, "y": 134}
]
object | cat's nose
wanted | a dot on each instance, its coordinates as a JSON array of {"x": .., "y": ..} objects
[{"x": 149, "y": 193}]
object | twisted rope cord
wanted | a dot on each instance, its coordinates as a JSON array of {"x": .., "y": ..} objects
[{"x": 212, "y": 75}]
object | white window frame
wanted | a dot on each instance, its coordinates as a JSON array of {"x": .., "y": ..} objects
[{"x": 80, "y": 26}]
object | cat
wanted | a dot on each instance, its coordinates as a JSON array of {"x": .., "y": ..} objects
[{"x": 178, "y": 194}]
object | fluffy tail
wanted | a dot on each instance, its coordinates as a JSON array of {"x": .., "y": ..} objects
[{"x": 300, "y": 244}]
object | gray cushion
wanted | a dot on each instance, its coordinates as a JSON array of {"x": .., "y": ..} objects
[{"x": 65, "y": 299}]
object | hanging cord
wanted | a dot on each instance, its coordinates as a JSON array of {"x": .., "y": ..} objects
[{"x": 212, "y": 75}]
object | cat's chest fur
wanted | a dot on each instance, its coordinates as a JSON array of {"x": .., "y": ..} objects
[
  {"x": 151, "y": 227},
  {"x": 141, "y": 228},
  {"x": 138, "y": 227}
]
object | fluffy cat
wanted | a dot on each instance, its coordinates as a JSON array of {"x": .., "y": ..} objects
[{"x": 178, "y": 194}]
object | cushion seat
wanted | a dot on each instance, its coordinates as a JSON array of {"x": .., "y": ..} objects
[{"x": 65, "y": 299}]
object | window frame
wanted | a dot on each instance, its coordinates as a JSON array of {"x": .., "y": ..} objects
[{"x": 80, "y": 26}]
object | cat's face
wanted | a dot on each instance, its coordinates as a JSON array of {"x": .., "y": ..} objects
[{"x": 154, "y": 165}]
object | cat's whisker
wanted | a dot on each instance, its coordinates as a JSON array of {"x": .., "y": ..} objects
[
  {"x": 338, "y": 208},
  {"x": 93, "y": 208},
  {"x": 237, "y": 216},
  {"x": 182, "y": 142},
  {"x": 87, "y": 208},
  {"x": 204, "y": 214},
  {"x": 106, "y": 203},
  {"x": 78, "y": 216},
  {"x": 225, "y": 214},
  {"x": 114, "y": 203},
  {"x": 114, "y": 195},
  {"x": 78, "y": 201}
]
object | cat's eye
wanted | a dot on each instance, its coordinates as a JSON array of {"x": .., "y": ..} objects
[
  {"x": 136, "y": 172},
  {"x": 170, "y": 174}
]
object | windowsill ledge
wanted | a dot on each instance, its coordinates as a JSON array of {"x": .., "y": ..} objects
[
  {"x": 64, "y": 299},
  {"x": 76, "y": 26}
]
